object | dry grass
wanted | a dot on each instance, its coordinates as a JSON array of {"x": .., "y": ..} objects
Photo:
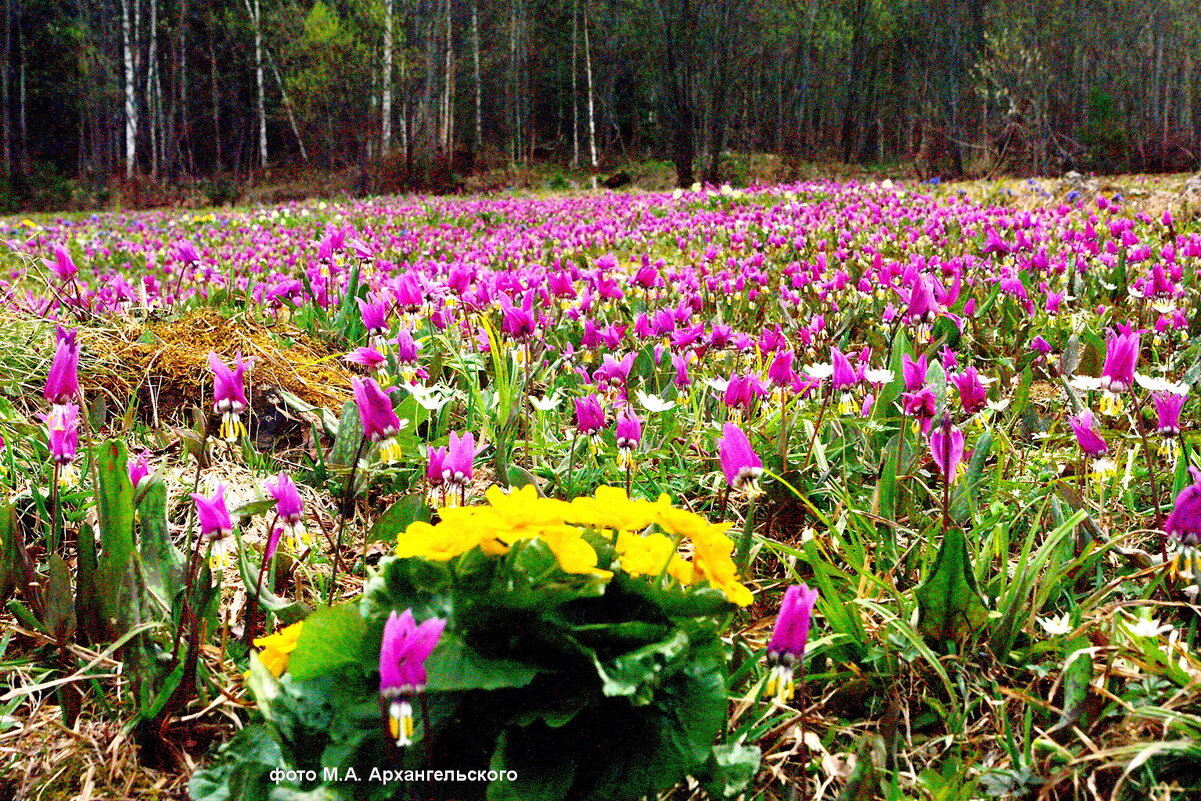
[{"x": 166, "y": 362}]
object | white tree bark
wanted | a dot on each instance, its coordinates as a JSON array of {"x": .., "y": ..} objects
[
  {"x": 131, "y": 107},
  {"x": 575, "y": 90},
  {"x": 588, "y": 72},
  {"x": 475, "y": 54},
  {"x": 256, "y": 19},
  {"x": 386, "y": 85},
  {"x": 151, "y": 93}
]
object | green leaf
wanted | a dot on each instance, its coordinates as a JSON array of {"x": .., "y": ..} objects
[
  {"x": 455, "y": 665},
  {"x": 636, "y": 673},
  {"x": 949, "y": 605},
  {"x": 59, "y": 600},
  {"x": 162, "y": 563},
  {"x": 350, "y": 434},
  {"x": 730, "y": 769},
  {"x": 398, "y": 517},
  {"x": 287, "y": 611},
  {"x": 1077, "y": 681},
  {"x": 12, "y": 555},
  {"x": 114, "y": 504},
  {"x": 330, "y": 639},
  {"x": 520, "y": 477}
]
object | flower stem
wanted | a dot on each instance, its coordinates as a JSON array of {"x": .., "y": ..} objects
[
  {"x": 347, "y": 497},
  {"x": 743, "y": 554}
]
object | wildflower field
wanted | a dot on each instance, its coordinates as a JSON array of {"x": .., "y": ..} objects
[{"x": 827, "y": 490}]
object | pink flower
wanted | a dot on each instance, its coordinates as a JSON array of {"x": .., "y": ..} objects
[
  {"x": 1121, "y": 357},
  {"x": 1084, "y": 426},
  {"x": 1184, "y": 522},
  {"x": 589, "y": 417},
  {"x": 62, "y": 428},
  {"x": 788, "y": 640},
  {"x": 913, "y": 372},
  {"x": 946, "y": 446},
  {"x": 973, "y": 395},
  {"x": 229, "y": 396},
  {"x": 63, "y": 265},
  {"x": 458, "y": 466},
  {"x": 62, "y": 382},
  {"x": 403, "y": 651},
  {"x": 1167, "y": 409},
  {"x": 739, "y": 462},
  {"x": 380, "y": 423},
  {"x": 139, "y": 469},
  {"x": 215, "y": 522}
]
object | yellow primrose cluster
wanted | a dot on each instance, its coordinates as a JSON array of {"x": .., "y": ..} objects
[
  {"x": 277, "y": 647},
  {"x": 521, "y": 514}
]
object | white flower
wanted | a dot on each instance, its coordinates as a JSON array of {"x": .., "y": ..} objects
[
  {"x": 653, "y": 403},
  {"x": 1153, "y": 384},
  {"x": 876, "y": 376},
  {"x": 818, "y": 371},
  {"x": 547, "y": 403},
  {"x": 1057, "y": 625},
  {"x": 1147, "y": 626},
  {"x": 1085, "y": 383},
  {"x": 430, "y": 398}
]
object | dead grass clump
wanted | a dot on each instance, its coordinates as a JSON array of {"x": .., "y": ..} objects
[{"x": 166, "y": 363}]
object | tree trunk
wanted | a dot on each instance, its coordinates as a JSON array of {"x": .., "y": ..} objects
[
  {"x": 479, "y": 83},
  {"x": 588, "y": 74},
  {"x": 131, "y": 112},
  {"x": 386, "y": 85},
  {"x": 575, "y": 90},
  {"x": 255, "y": 10}
]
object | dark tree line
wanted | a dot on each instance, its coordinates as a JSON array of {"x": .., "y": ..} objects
[{"x": 103, "y": 90}]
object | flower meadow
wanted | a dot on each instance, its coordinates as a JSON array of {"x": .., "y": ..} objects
[{"x": 827, "y": 490}]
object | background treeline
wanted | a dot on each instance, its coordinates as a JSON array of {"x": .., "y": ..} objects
[{"x": 96, "y": 94}]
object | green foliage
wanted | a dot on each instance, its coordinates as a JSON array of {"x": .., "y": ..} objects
[
  {"x": 949, "y": 606},
  {"x": 585, "y": 694}
]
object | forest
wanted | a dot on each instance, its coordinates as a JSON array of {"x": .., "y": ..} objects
[{"x": 409, "y": 94}]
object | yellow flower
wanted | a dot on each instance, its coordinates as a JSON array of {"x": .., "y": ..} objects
[
  {"x": 522, "y": 507},
  {"x": 644, "y": 555},
  {"x": 574, "y": 553},
  {"x": 437, "y": 543},
  {"x": 613, "y": 509},
  {"x": 276, "y": 648}
]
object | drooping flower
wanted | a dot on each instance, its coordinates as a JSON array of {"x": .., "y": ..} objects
[
  {"x": 63, "y": 265},
  {"x": 1084, "y": 425},
  {"x": 973, "y": 395},
  {"x": 739, "y": 462},
  {"x": 788, "y": 641},
  {"x": 289, "y": 508},
  {"x": 780, "y": 372},
  {"x": 62, "y": 382},
  {"x": 139, "y": 469},
  {"x": 215, "y": 525},
  {"x": 589, "y": 417},
  {"x": 914, "y": 372},
  {"x": 229, "y": 395},
  {"x": 380, "y": 423},
  {"x": 374, "y": 312},
  {"x": 458, "y": 465},
  {"x": 62, "y": 428},
  {"x": 629, "y": 436},
  {"x": 403, "y": 651},
  {"x": 1121, "y": 357},
  {"x": 366, "y": 356},
  {"x": 1183, "y": 525},
  {"x": 1167, "y": 408},
  {"x": 946, "y": 446}
]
